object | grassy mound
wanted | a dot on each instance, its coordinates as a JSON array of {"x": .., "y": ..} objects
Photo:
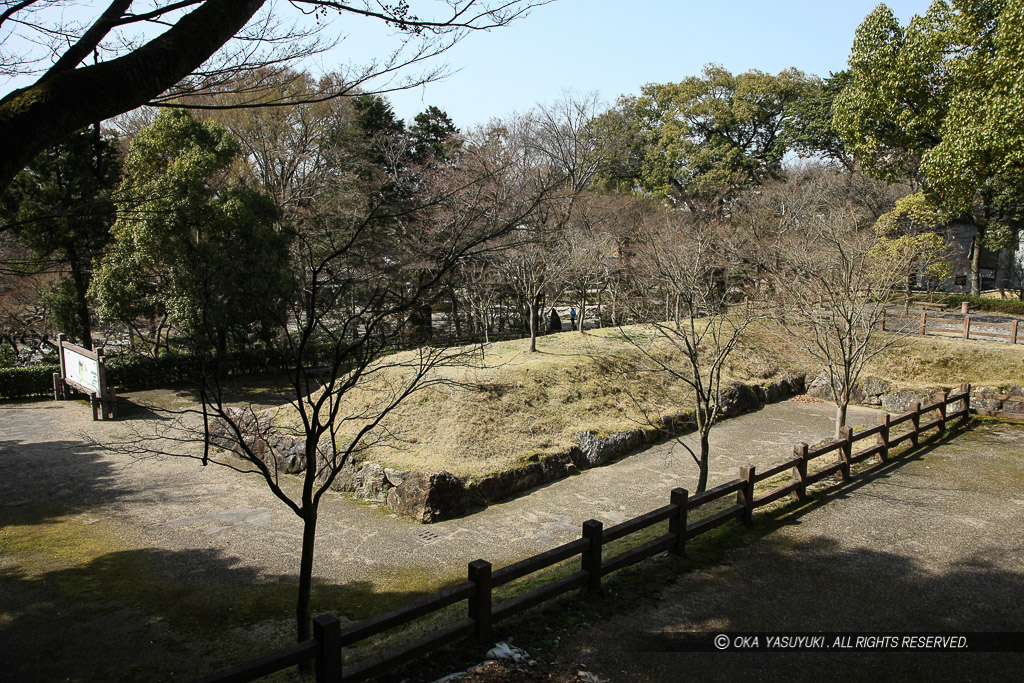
[{"x": 510, "y": 406}]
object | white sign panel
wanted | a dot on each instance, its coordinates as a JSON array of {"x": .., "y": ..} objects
[{"x": 81, "y": 370}]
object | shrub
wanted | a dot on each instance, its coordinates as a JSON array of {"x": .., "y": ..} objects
[
  {"x": 27, "y": 382},
  {"x": 983, "y": 304}
]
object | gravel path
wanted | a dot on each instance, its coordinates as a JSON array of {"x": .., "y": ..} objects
[
  {"x": 177, "y": 505},
  {"x": 935, "y": 544}
]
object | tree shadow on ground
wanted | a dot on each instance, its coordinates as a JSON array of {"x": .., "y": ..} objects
[
  {"x": 897, "y": 549},
  {"x": 51, "y": 479},
  {"x": 150, "y": 614}
]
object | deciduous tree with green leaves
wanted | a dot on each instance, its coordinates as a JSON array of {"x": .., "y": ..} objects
[{"x": 911, "y": 234}]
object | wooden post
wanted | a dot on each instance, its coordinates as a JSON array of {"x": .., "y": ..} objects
[
  {"x": 745, "y": 496},
  {"x": 882, "y": 438},
  {"x": 965, "y": 307},
  {"x": 967, "y": 326},
  {"x": 327, "y": 632},
  {"x": 800, "y": 471},
  {"x": 924, "y": 322},
  {"x": 677, "y": 523},
  {"x": 942, "y": 411},
  {"x": 60, "y": 355},
  {"x": 846, "y": 451},
  {"x": 94, "y": 404},
  {"x": 593, "y": 530},
  {"x": 58, "y": 387},
  {"x": 480, "y": 602},
  {"x": 1013, "y": 331},
  {"x": 106, "y": 410},
  {"x": 966, "y": 389},
  {"x": 915, "y": 421}
]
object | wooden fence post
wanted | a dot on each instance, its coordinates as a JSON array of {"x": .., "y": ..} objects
[
  {"x": 745, "y": 496},
  {"x": 480, "y": 601},
  {"x": 882, "y": 438},
  {"x": 924, "y": 322},
  {"x": 61, "y": 338},
  {"x": 1013, "y": 331},
  {"x": 942, "y": 411},
  {"x": 915, "y": 421},
  {"x": 677, "y": 523},
  {"x": 591, "y": 561},
  {"x": 965, "y": 388},
  {"x": 967, "y": 327},
  {"x": 800, "y": 471},
  {"x": 327, "y": 632},
  {"x": 845, "y": 451}
]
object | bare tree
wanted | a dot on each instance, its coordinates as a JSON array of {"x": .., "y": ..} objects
[
  {"x": 363, "y": 269},
  {"x": 200, "y": 45},
  {"x": 833, "y": 283},
  {"x": 586, "y": 246},
  {"x": 695, "y": 265},
  {"x": 528, "y": 265}
]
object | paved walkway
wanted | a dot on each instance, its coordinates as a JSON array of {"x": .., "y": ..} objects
[{"x": 178, "y": 505}]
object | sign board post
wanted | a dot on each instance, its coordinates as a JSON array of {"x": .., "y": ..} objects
[{"x": 85, "y": 371}]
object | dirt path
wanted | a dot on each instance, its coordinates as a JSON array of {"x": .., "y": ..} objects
[
  {"x": 178, "y": 505},
  {"x": 933, "y": 545},
  {"x": 114, "y": 567}
]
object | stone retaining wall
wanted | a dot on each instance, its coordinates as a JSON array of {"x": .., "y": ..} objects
[
  {"x": 880, "y": 393},
  {"x": 433, "y": 496}
]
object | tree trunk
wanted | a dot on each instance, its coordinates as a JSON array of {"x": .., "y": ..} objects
[
  {"x": 840, "y": 417},
  {"x": 303, "y": 609},
  {"x": 533, "y": 326},
  {"x": 81, "y": 281},
  {"x": 37, "y": 116},
  {"x": 583, "y": 311},
  {"x": 976, "y": 263},
  {"x": 705, "y": 457}
]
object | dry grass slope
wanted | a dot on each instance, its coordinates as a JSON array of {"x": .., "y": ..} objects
[{"x": 504, "y": 409}]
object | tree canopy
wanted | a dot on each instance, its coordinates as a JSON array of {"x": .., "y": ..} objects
[
  {"x": 702, "y": 138},
  {"x": 191, "y": 249},
  {"x": 60, "y": 208},
  {"x": 941, "y": 102}
]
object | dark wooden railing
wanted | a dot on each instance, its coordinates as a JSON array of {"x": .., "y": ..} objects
[{"x": 478, "y": 590}]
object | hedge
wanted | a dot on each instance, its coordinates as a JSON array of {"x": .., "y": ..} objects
[
  {"x": 983, "y": 304},
  {"x": 27, "y": 382}
]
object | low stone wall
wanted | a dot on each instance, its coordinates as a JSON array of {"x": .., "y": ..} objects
[
  {"x": 433, "y": 496},
  {"x": 883, "y": 394}
]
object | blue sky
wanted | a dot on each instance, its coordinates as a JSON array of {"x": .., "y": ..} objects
[{"x": 614, "y": 47}]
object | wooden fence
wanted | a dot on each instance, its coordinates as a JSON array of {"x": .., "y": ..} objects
[
  {"x": 477, "y": 591},
  {"x": 999, "y": 405},
  {"x": 941, "y": 325}
]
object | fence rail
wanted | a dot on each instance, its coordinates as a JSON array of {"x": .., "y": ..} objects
[
  {"x": 941, "y": 325},
  {"x": 478, "y": 591}
]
